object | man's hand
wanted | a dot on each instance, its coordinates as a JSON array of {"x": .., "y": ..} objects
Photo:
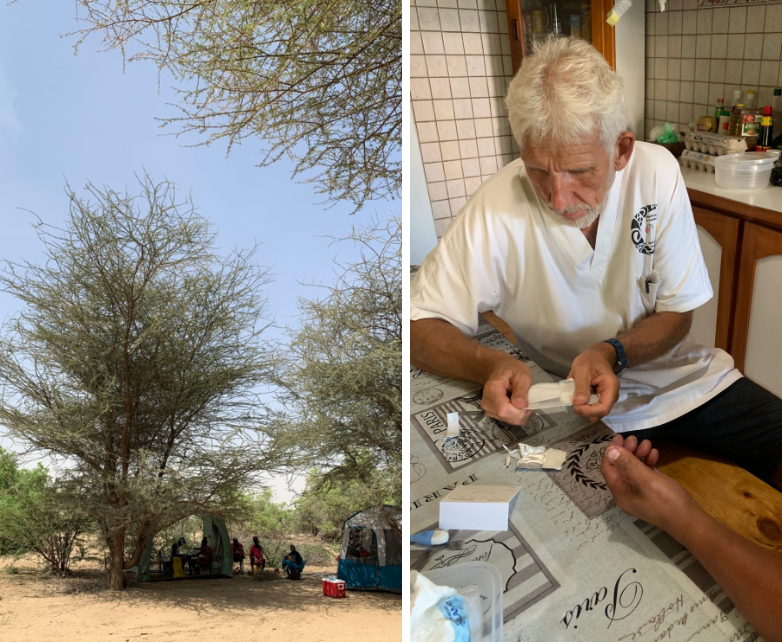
[
  {"x": 594, "y": 368},
  {"x": 643, "y": 492},
  {"x": 505, "y": 392}
]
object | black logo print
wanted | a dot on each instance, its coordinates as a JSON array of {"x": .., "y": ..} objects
[{"x": 642, "y": 229}]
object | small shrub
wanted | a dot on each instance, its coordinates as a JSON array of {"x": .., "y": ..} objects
[{"x": 317, "y": 555}]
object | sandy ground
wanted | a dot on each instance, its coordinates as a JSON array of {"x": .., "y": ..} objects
[{"x": 36, "y": 607}]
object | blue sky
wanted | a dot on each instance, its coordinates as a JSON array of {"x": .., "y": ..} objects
[{"x": 81, "y": 118}]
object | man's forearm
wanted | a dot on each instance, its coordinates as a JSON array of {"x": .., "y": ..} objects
[
  {"x": 749, "y": 574},
  {"x": 440, "y": 348},
  {"x": 654, "y": 336}
]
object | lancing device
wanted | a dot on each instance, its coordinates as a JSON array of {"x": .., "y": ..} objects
[{"x": 430, "y": 538}]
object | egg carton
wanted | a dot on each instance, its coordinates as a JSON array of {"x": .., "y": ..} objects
[
  {"x": 697, "y": 161},
  {"x": 714, "y": 144}
]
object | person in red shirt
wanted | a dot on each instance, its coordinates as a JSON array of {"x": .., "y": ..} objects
[
  {"x": 256, "y": 555},
  {"x": 204, "y": 559}
]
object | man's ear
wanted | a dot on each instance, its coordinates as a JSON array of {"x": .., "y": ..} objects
[{"x": 623, "y": 150}]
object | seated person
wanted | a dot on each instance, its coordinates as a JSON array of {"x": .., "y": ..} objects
[
  {"x": 176, "y": 553},
  {"x": 292, "y": 561},
  {"x": 749, "y": 575},
  {"x": 203, "y": 559},
  {"x": 587, "y": 248},
  {"x": 237, "y": 550},
  {"x": 365, "y": 549},
  {"x": 256, "y": 555}
]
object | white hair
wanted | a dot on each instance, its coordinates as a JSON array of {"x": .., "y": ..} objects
[{"x": 563, "y": 91}]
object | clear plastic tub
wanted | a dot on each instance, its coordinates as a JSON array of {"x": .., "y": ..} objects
[
  {"x": 480, "y": 583},
  {"x": 745, "y": 170}
]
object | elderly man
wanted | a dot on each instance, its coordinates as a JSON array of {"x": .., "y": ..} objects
[{"x": 587, "y": 248}]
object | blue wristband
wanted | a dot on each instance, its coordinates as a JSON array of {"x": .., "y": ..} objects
[{"x": 622, "y": 363}]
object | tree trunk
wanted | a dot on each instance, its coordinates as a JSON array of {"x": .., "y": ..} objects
[{"x": 117, "y": 562}]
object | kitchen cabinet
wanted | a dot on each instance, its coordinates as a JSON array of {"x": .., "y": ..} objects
[
  {"x": 531, "y": 20},
  {"x": 757, "y": 342},
  {"x": 719, "y": 235},
  {"x": 746, "y": 316}
]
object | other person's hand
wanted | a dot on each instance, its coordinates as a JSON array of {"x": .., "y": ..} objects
[
  {"x": 505, "y": 392},
  {"x": 644, "y": 492},
  {"x": 594, "y": 368}
]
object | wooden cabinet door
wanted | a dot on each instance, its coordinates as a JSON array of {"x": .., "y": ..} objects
[
  {"x": 719, "y": 239},
  {"x": 757, "y": 335},
  {"x": 523, "y": 23}
]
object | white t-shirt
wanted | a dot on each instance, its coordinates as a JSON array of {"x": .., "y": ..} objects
[{"x": 505, "y": 253}]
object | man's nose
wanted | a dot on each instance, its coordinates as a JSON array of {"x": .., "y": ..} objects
[{"x": 560, "y": 193}]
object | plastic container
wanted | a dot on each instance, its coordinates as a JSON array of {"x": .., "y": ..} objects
[
  {"x": 480, "y": 583},
  {"x": 334, "y": 588},
  {"x": 745, "y": 171}
]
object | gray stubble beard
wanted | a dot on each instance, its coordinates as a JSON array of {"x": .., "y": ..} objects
[{"x": 591, "y": 214}]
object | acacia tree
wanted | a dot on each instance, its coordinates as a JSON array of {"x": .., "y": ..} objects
[
  {"x": 343, "y": 376},
  {"x": 320, "y": 82},
  {"x": 38, "y": 514},
  {"x": 322, "y": 509},
  {"x": 137, "y": 357}
]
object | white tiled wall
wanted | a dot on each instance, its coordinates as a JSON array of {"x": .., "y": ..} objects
[
  {"x": 460, "y": 67},
  {"x": 695, "y": 55}
]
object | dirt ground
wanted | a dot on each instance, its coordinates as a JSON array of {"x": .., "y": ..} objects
[{"x": 38, "y": 607}]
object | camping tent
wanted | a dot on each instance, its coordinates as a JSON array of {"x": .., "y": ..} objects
[
  {"x": 371, "y": 554},
  {"x": 222, "y": 564}
]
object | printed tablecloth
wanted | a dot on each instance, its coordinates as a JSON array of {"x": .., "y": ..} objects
[{"x": 575, "y": 567}]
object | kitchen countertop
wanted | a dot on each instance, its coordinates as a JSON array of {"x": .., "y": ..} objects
[{"x": 769, "y": 198}]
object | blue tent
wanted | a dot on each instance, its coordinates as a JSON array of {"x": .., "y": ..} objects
[{"x": 371, "y": 554}]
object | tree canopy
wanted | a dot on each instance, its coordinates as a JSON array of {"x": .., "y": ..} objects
[
  {"x": 138, "y": 357},
  {"x": 343, "y": 375},
  {"x": 320, "y": 82}
]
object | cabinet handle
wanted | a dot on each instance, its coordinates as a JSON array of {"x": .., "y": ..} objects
[{"x": 515, "y": 24}]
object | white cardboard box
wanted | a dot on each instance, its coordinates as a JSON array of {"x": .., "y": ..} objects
[{"x": 477, "y": 507}]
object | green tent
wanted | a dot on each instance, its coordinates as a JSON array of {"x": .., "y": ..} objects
[{"x": 158, "y": 568}]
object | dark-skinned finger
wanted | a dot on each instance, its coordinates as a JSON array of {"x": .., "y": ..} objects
[
  {"x": 631, "y": 442},
  {"x": 653, "y": 458},
  {"x": 612, "y": 476},
  {"x": 642, "y": 451}
]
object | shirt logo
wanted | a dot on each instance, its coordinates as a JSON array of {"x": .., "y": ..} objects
[{"x": 642, "y": 229}]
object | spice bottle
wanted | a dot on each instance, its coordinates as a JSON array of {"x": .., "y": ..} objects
[
  {"x": 766, "y": 130},
  {"x": 776, "y": 112},
  {"x": 723, "y": 127},
  {"x": 735, "y": 120},
  {"x": 750, "y": 121},
  {"x": 719, "y": 108}
]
